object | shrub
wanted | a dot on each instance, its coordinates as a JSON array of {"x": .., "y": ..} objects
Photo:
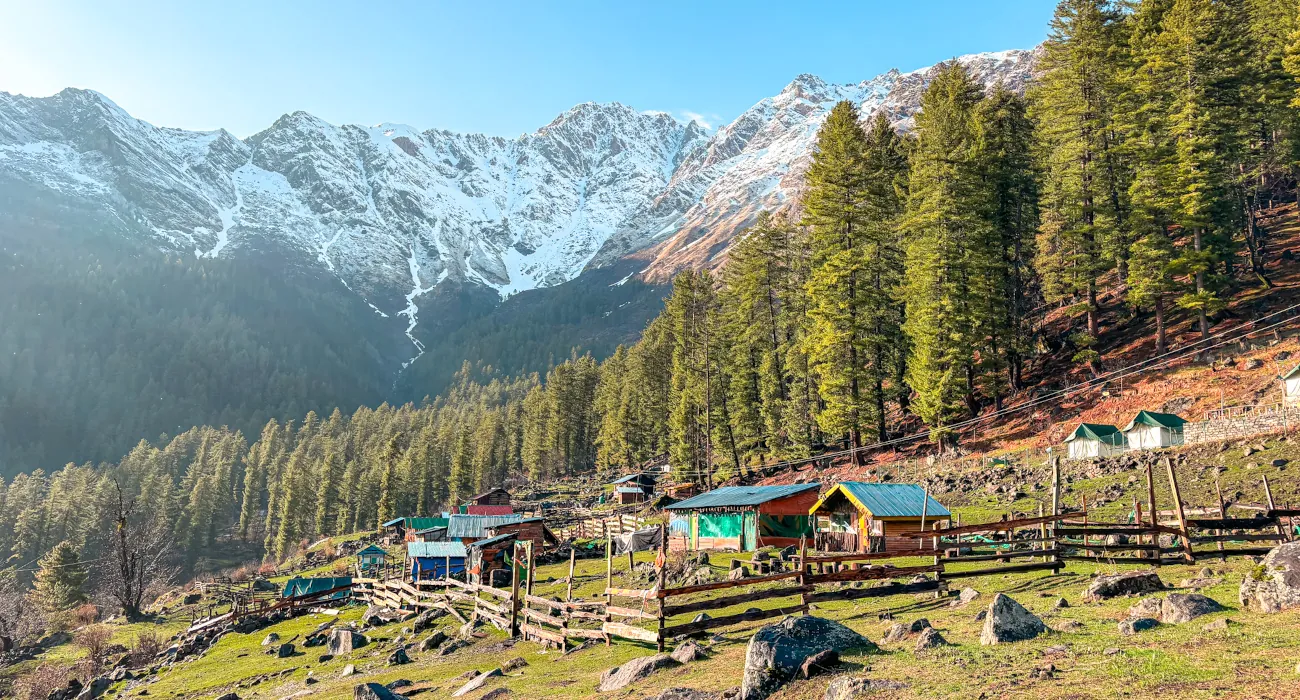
[
  {"x": 266, "y": 570},
  {"x": 147, "y": 645},
  {"x": 85, "y": 614},
  {"x": 341, "y": 567},
  {"x": 40, "y": 683},
  {"x": 94, "y": 639}
]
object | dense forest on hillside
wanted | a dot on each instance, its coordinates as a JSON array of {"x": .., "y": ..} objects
[{"x": 911, "y": 290}]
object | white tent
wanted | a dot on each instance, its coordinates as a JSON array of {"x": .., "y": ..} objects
[
  {"x": 1151, "y": 431},
  {"x": 1095, "y": 440}
]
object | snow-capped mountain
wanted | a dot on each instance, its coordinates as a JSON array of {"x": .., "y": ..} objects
[{"x": 392, "y": 211}]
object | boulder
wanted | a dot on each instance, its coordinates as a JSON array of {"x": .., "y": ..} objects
[
  {"x": 94, "y": 688},
  {"x": 1274, "y": 585},
  {"x": 929, "y": 639},
  {"x": 818, "y": 663},
  {"x": 373, "y": 691},
  {"x": 685, "y": 694},
  {"x": 1218, "y": 625},
  {"x": 849, "y": 688},
  {"x": 1137, "y": 624},
  {"x": 1009, "y": 621},
  {"x": 343, "y": 640},
  {"x": 967, "y": 595},
  {"x": 284, "y": 651},
  {"x": 1178, "y": 608},
  {"x": 687, "y": 652},
  {"x": 621, "y": 676},
  {"x": 1147, "y": 607},
  {"x": 1127, "y": 583},
  {"x": 1068, "y": 626},
  {"x": 513, "y": 664},
  {"x": 738, "y": 573},
  {"x": 228, "y": 696},
  {"x": 777, "y": 651},
  {"x": 897, "y": 632},
  {"x": 348, "y": 670},
  {"x": 271, "y": 638},
  {"x": 432, "y": 641},
  {"x": 398, "y": 657},
  {"x": 477, "y": 682},
  {"x": 495, "y": 694}
]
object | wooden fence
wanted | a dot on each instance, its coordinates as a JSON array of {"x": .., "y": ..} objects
[{"x": 601, "y": 528}]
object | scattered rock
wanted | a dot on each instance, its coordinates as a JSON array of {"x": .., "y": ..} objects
[
  {"x": 979, "y": 616},
  {"x": 348, "y": 670},
  {"x": 432, "y": 641},
  {"x": 1112, "y": 651},
  {"x": 849, "y": 688},
  {"x": 1127, "y": 583},
  {"x": 632, "y": 671},
  {"x": 687, "y": 652},
  {"x": 513, "y": 664},
  {"x": 1009, "y": 621},
  {"x": 1274, "y": 585},
  {"x": 343, "y": 641},
  {"x": 1061, "y": 604},
  {"x": 1217, "y": 626},
  {"x": 738, "y": 573},
  {"x": 818, "y": 663},
  {"x": 897, "y": 632},
  {"x": 477, "y": 682},
  {"x": 94, "y": 688},
  {"x": 399, "y": 683},
  {"x": 1043, "y": 672},
  {"x": 967, "y": 595},
  {"x": 284, "y": 651},
  {"x": 1147, "y": 607},
  {"x": 1183, "y": 607},
  {"x": 685, "y": 694},
  {"x": 373, "y": 691},
  {"x": 495, "y": 694},
  {"x": 398, "y": 657},
  {"x": 228, "y": 696},
  {"x": 1135, "y": 625},
  {"x": 929, "y": 639},
  {"x": 777, "y": 651},
  {"x": 271, "y": 638},
  {"x": 1068, "y": 626},
  {"x": 1279, "y": 463}
]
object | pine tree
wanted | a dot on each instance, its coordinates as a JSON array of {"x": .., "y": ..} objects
[{"x": 60, "y": 579}]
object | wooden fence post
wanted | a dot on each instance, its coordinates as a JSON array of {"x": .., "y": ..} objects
[
  {"x": 531, "y": 559},
  {"x": 803, "y": 570},
  {"x": 1268, "y": 494},
  {"x": 1223, "y": 513},
  {"x": 662, "y": 563},
  {"x": 514, "y": 592},
  {"x": 1042, "y": 531},
  {"x": 1155, "y": 519},
  {"x": 568, "y": 596},
  {"x": 925, "y": 501},
  {"x": 1182, "y": 517}
]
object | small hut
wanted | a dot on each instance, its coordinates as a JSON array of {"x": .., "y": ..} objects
[
  {"x": 1095, "y": 440},
  {"x": 634, "y": 488},
  {"x": 489, "y": 554},
  {"x": 745, "y": 517},
  {"x": 528, "y": 530},
  {"x": 1151, "y": 431},
  {"x": 371, "y": 558},
  {"x": 431, "y": 534},
  {"x": 491, "y": 502},
  {"x": 629, "y": 494},
  {"x": 855, "y": 516},
  {"x": 432, "y": 560}
]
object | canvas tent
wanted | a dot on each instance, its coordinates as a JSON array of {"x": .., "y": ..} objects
[
  {"x": 744, "y": 517},
  {"x": 1291, "y": 385},
  {"x": 856, "y": 516},
  {"x": 1150, "y": 430},
  {"x": 1095, "y": 440},
  {"x": 298, "y": 586}
]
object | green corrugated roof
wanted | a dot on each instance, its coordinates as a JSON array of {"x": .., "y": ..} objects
[
  {"x": 740, "y": 496},
  {"x": 435, "y": 549},
  {"x": 1108, "y": 434},
  {"x": 1163, "y": 420},
  {"x": 893, "y": 500}
]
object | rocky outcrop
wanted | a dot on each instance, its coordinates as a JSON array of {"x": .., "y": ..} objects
[
  {"x": 1178, "y": 608},
  {"x": 1127, "y": 583},
  {"x": 1009, "y": 621},
  {"x": 1274, "y": 585},
  {"x": 777, "y": 651},
  {"x": 634, "y": 670}
]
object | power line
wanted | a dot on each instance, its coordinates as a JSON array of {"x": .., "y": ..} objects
[{"x": 1146, "y": 365}]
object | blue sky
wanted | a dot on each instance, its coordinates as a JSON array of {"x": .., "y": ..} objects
[{"x": 501, "y": 68}]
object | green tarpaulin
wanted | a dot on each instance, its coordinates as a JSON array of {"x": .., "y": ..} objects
[
  {"x": 719, "y": 525},
  {"x": 791, "y": 526}
]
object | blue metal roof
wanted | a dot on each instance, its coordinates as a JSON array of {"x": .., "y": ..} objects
[
  {"x": 740, "y": 496},
  {"x": 435, "y": 549},
  {"x": 393, "y": 522},
  {"x": 459, "y": 526},
  {"x": 891, "y": 500}
]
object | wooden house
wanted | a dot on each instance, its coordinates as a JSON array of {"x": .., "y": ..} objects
[
  {"x": 1095, "y": 440},
  {"x": 431, "y": 560},
  {"x": 468, "y": 529},
  {"x": 634, "y": 488},
  {"x": 744, "y": 517},
  {"x": 629, "y": 494},
  {"x": 1151, "y": 431},
  {"x": 491, "y": 502},
  {"x": 527, "y": 530},
  {"x": 855, "y": 516},
  {"x": 371, "y": 558}
]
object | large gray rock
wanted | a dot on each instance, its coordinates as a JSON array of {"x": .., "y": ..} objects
[
  {"x": 1183, "y": 607},
  {"x": 1274, "y": 585},
  {"x": 374, "y": 691},
  {"x": 777, "y": 651},
  {"x": 1147, "y": 607},
  {"x": 477, "y": 682},
  {"x": 849, "y": 688},
  {"x": 1127, "y": 583},
  {"x": 1134, "y": 625},
  {"x": 94, "y": 688},
  {"x": 343, "y": 640},
  {"x": 634, "y": 670},
  {"x": 687, "y": 652},
  {"x": 929, "y": 639},
  {"x": 1009, "y": 621}
]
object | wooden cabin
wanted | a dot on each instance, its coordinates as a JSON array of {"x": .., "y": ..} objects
[
  {"x": 489, "y": 554},
  {"x": 1150, "y": 430},
  {"x": 432, "y": 560},
  {"x": 1095, "y": 440},
  {"x": 634, "y": 488},
  {"x": 528, "y": 530},
  {"x": 491, "y": 502},
  {"x": 468, "y": 529},
  {"x": 629, "y": 494},
  {"x": 371, "y": 558},
  {"x": 744, "y": 518},
  {"x": 855, "y": 516}
]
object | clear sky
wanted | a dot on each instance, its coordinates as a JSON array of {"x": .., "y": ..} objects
[{"x": 501, "y": 68}]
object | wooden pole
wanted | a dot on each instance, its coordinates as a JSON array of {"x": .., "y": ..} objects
[
  {"x": 1178, "y": 510},
  {"x": 803, "y": 570},
  {"x": 925, "y": 501},
  {"x": 514, "y": 592},
  {"x": 661, "y": 562},
  {"x": 609, "y": 571},
  {"x": 1151, "y": 505},
  {"x": 1086, "y": 552},
  {"x": 1223, "y": 513},
  {"x": 529, "y": 543},
  {"x": 1137, "y": 519},
  {"x": 573, "y": 554},
  {"x": 1056, "y": 503},
  {"x": 1268, "y": 494},
  {"x": 1042, "y": 530}
]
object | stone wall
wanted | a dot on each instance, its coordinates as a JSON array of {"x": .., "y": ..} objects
[{"x": 1240, "y": 427}]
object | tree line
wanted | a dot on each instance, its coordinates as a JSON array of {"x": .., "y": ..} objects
[{"x": 909, "y": 288}]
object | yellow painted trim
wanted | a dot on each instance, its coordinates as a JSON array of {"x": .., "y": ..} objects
[{"x": 847, "y": 494}]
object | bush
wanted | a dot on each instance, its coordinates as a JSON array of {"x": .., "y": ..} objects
[
  {"x": 38, "y": 684},
  {"x": 85, "y": 614},
  {"x": 94, "y": 639},
  {"x": 147, "y": 646},
  {"x": 341, "y": 567},
  {"x": 266, "y": 570}
]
